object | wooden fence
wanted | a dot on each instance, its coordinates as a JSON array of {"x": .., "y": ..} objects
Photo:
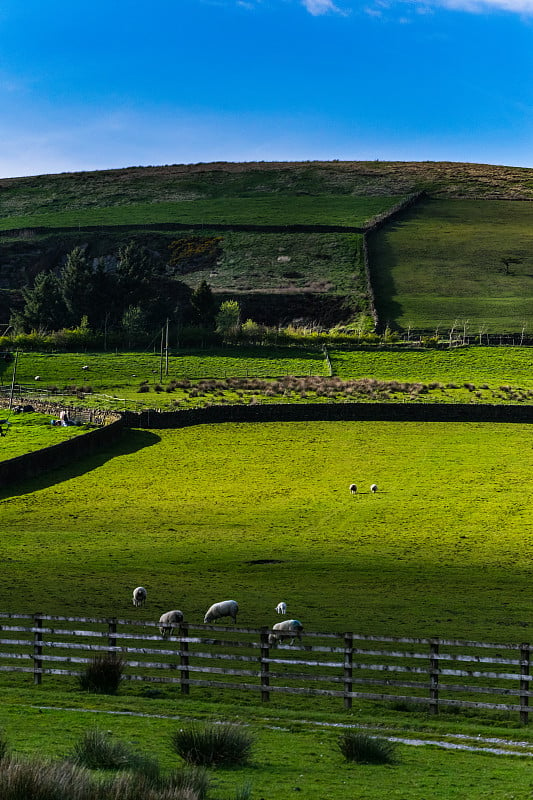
[{"x": 433, "y": 672}]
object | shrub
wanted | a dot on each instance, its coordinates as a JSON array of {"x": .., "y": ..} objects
[
  {"x": 102, "y": 675},
  {"x": 213, "y": 745},
  {"x": 98, "y": 750},
  {"x": 366, "y": 749}
]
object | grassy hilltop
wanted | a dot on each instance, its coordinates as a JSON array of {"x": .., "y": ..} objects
[{"x": 443, "y": 262}]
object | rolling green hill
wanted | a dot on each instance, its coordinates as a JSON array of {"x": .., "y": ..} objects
[{"x": 440, "y": 264}]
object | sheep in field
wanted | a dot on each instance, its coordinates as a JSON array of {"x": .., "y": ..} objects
[
  {"x": 139, "y": 596},
  {"x": 288, "y": 629},
  {"x": 374, "y": 488},
  {"x": 353, "y": 488},
  {"x": 168, "y": 621},
  {"x": 226, "y": 608},
  {"x": 281, "y": 608}
]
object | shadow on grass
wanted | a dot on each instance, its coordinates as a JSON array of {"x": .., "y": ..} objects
[{"x": 131, "y": 441}]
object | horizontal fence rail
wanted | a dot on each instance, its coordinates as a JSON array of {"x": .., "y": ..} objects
[{"x": 434, "y": 672}]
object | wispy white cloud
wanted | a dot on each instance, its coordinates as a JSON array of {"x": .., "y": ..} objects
[
  {"x": 318, "y": 7},
  {"x": 524, "y": 7}
]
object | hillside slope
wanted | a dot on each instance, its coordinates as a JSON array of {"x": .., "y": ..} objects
[
  {"x": 191, "y": 182},
  {"x": 281, "y": 275}
]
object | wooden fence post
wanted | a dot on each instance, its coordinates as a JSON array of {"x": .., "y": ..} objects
[
  {"x": 265, "y": 666},
  {"x": 37, "y": 649},
  {"x": 184, "y": 657},
  {"x": 112, "y": 636},
  {"x": 434, "y": 676},
  {"x": 524, "y": 683},
  {"x": 348, "y": 661}
]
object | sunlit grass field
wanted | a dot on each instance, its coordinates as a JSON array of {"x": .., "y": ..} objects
[
  {"x": 281, "y": 210},
  {"x": 442, "y": 548},
  {"x": 26, "y": 432},
  {"x": 473, "y": 374},
  {"x": 442, "y": 264}
]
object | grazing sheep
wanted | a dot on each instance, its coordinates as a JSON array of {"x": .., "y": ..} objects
[
  {"x": 226, "y": 608},
  {"x": 37, "y": 378},
  {"x": 289, "y": 628},
  {"x": 373, "y": 488},
  {"x": 139, "y": 596},
  {"x": 168, "y": 621},
  {"x": 353, "y": 488},
  {"x": 281, "y": 608}
]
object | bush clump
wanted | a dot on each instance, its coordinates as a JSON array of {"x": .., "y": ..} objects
[
  {"x": 213, "y": 745},
  {"x": 102, "y": 675},
  {"x": 98, "y": 750},
  {"x": 366, "y": 749}
]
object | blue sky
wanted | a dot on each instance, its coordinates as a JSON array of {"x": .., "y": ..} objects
[{"x": 114, "y": 83}]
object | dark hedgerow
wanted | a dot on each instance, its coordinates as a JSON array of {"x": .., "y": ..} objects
[
  {"x": 366, "y": 749},
  {"x": 102, "y": 675},
  {"x": 212, "y": 745}
]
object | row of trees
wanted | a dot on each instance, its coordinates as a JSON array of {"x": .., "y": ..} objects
[{"x": 135, "y": 296}]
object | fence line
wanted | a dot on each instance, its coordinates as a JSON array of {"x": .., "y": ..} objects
[{"x": 347, "y": 665}]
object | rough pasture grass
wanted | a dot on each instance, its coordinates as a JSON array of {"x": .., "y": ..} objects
[
  {"x": 442, "y": 263},
  {"x": 31, "y": 431},
  {"x": 287, "y": 262},
  {"x": 442, "y": 548},
  {"x": 267, "y": 210},
  {"x": 294, "y": 758},
  {"x": 484, "y": 370}
]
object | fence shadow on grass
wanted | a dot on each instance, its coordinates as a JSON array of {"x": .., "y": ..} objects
[{"x": 131, "y": 441}]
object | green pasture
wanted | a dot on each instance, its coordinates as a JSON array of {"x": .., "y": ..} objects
[
  {"x": 443, "y": 548},
  {"x": 26, "y": 432},
  {"x": 123, "y": 372},
  {"x": 470, "y": 374},
  {"x": 494, "y": 366},
  {"x": 269, "y": 209},
  {"x": 441, "y": 266},
  {"x": 289, "y": 757}
]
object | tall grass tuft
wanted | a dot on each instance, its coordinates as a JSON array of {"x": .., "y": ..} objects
[
  {"x": 366, "y": 749},
  {"x": 42, "y": 780},
  {"x": 98, "y": 750},
  {"x": 213, "y": 745},
  {"x": 47, "y": 780},
  {"x": 102, "y": 675}
]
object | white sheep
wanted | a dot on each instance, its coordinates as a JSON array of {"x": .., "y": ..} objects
[
  {"x": 353, "y": 488},
  {"x": 37, "y": 378},
  {"x": 374, "y": 488},
  {"x": 226, "y": 608},
  {"x": 139, "y": 596},
  {"x": 281, "y": 608},
  {"x": 168, "y": 621},
  {"x": 288, "y": 629}
]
